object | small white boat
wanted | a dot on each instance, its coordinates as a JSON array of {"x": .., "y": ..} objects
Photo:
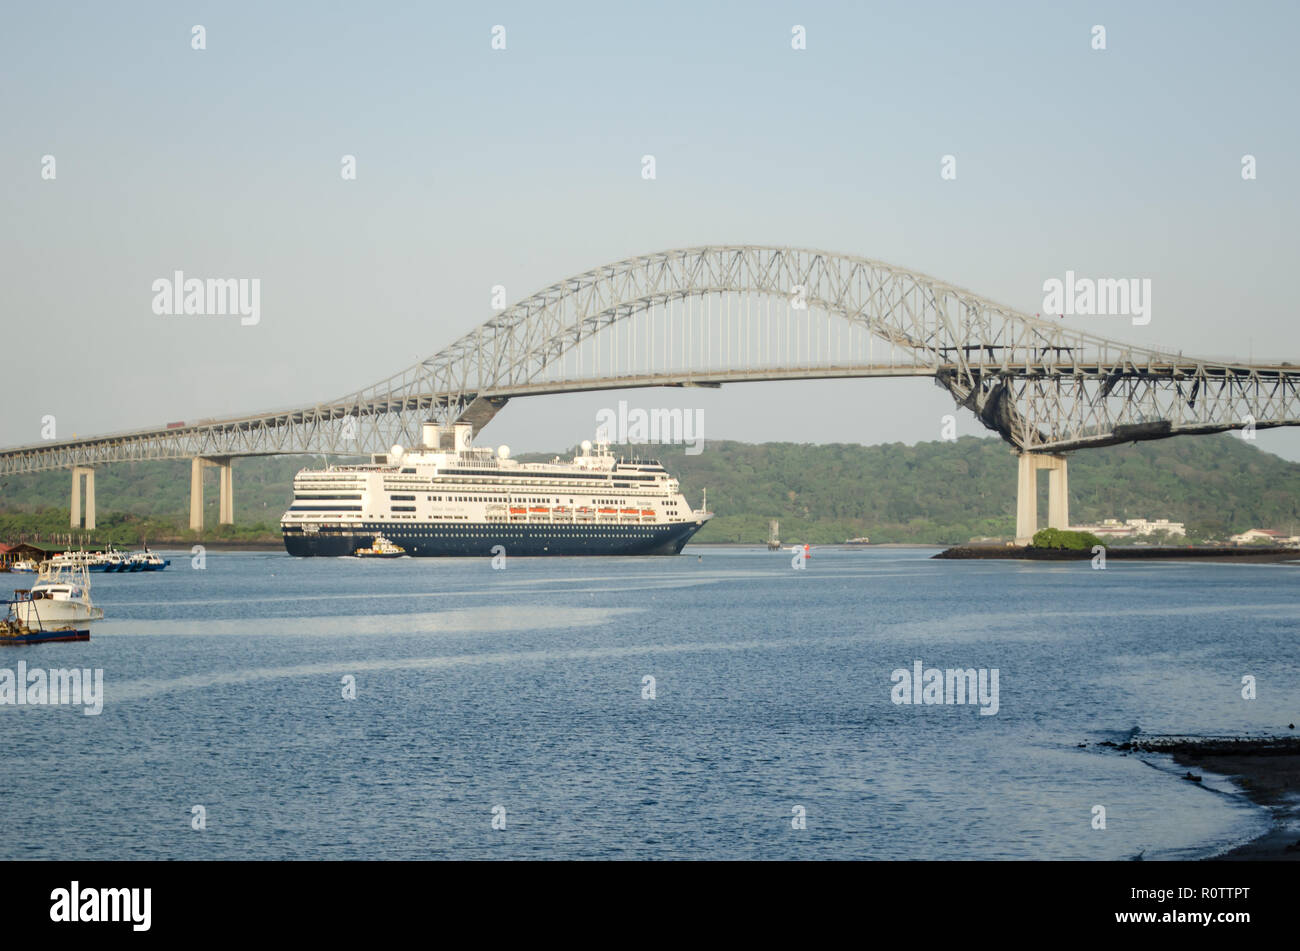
[
  {"x": 23, "y": 567},
  {"x": 58, "y": 601}
]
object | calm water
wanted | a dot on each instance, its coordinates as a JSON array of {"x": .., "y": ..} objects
[{"x": 522, "y": 688}]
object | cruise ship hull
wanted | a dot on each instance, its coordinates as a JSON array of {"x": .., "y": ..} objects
[{"x": 518, "y": 540}]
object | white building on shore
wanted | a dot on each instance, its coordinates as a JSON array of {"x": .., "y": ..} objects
[
  {"x": 1265, "y": 535},
  {"x": 1133, "y": 528}
]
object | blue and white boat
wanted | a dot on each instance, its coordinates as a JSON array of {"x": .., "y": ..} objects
[
  {"x": 108, "y": 560},
  {"x": 144, "y": 560},
  {"x": 148, "y": 561}
]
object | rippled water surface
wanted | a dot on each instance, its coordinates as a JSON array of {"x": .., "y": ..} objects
[{"x": 522, "y": 688}]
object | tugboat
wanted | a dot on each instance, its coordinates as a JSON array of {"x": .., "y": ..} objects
[
  {"x": 56, "y": 608},
  {"x": 381, "y": 547}
]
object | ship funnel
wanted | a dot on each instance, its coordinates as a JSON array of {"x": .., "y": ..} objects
[{"x": 429, "y": 436}]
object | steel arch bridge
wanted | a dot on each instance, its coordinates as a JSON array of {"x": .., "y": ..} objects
[{"x": 711, "y": 315}]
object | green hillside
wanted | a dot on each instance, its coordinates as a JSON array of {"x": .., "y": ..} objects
[
  {"x": 950, "y": 492},
  {"x": 936, "y": 492}
]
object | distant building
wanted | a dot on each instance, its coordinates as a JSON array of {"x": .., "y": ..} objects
[
  {"x": 1253, "y": 535},
  {"x": 1133, "y": 528}
]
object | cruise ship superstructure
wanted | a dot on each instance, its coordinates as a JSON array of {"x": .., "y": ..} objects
[{"x": 451, "y": 498}]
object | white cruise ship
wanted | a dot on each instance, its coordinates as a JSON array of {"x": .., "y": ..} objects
[{"x": 450, "y": 498}]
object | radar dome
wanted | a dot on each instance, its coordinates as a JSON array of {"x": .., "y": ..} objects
[
  {"x": 586, "y": 445},
  {"x": 397, "y": 452},
  {"x": 503, "y": 452}
]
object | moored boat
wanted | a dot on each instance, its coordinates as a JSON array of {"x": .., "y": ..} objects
[
  {"x": 56, "y": 608},
  {"x": 17, "y": 636},
  {"x": 152, "y": 561},
  {"x": 144, "y": 560},
  {"x": 108, "y": 560},
  {"x": 73, "y": 559}
]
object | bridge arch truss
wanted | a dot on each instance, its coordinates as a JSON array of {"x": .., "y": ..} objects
[{"x": 707, "y": 316}]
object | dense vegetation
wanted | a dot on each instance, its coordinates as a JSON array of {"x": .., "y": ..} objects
[
  {"x": 951, "y": 492},
  {"x": 1061, "y": 539},
  {"x": 936, "y": 492}
]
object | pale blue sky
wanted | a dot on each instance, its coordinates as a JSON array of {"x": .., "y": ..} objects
[{"x": 522, "y": 167}]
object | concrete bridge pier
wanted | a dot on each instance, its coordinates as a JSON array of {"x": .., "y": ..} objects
[
  {"x": 226, "y": 507},
  {"x": 1058, "y": 494},
  {"x": 77, "y": 473},
  {"x": 226, "y": 510}
]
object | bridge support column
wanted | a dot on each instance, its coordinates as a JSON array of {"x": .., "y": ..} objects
[
  {"x": 196, "y": 493},
  {"x": 226, "y": 480},
  {"x": 227, "y": 508},
  {"x": 77, "y": 473},
  {"x": 1026, "y": 500},
  {"x": 1058, "y": 494}
]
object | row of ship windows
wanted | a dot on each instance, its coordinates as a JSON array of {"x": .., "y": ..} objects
[
  {"x": 407, "y": 485},
  {"x": 519, "y": 519},
  {"x": 498, "y": 476},
  {"x": 623, "y": 482},
  {"x": 490, "y": 498},
  {"x": 314, "y": 505},
  {"x": 556, "y": 533},
  {"x": 471, "y": 498},
  {"x": 515, "y": 500}
]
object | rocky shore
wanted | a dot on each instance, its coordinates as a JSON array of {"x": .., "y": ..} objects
[
  {"x": 1265, "y": 769},
  {"x": 1123, "y": 553}
]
